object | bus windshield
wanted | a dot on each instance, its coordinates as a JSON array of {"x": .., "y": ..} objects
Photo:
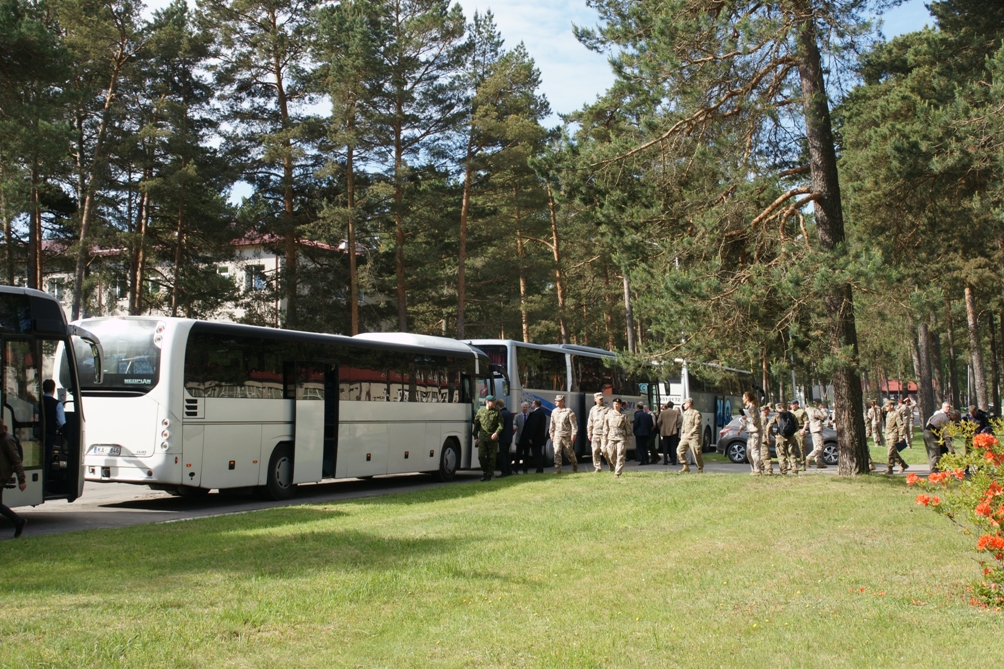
[{"x": 132, "y": 356}]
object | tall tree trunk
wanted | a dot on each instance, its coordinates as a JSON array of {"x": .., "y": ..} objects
[
  {"x": 289, "y": 213},
  {"x": 402, "y": 297},
  {"x": 953, "y": 372},
  {"x": 86, "y": 182},
  {"x": 765, "y": 376},
  {"x": 350, "y": 193},
  {"x": 925, "y": 391},
  {"x": 975, "y": 352},
  {"x": 839, "y": 302},
  {"x": 179, "y": 254},
  {"x": 521, "y": 255},
  {"x": 994, "y": 375},
  {"x": 608, "y": 312},
  {"x": 628, "y": 313},
  {"x": 139, "y": 256},
  {"x": 938, "y": 374},
  {"x": 8, "y": 233},
  {"x": 34, "y": 232},
  {"x": 559, "y": 275},
  {"x": 465, "y": 207}
]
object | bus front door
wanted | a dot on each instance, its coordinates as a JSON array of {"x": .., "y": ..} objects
[
  {"x": 22, "y": 396},
  {"x": 315, "y": 421}
]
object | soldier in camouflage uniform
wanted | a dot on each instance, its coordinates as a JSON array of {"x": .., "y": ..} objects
[
  {"x": 785, "y": 447},
  {"x": 690, "y": 437},
  {"x": 817, "y": 420},
  {"x": 895, "y": 430},
  {"x": 596, "y": 432},
  {"x": 875, "y": 423},
  {"x": 906, "y": 410},
  {"x": 618, "y": 428},
  {"x": 802, "y": 418},
  {"x": 564, "y": 429},
  {"x": 754, "y": 429},
  {"x": 487, "y": 428}
]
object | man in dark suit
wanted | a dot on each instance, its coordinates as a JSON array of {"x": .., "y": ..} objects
[
  {"x": 519, "y": 422},
  {"x": 505, "y": 439},
  {"x": 643, "y": 425},
  {"x": 534, "y": 436}
]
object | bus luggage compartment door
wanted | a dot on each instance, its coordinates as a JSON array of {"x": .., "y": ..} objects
[{"x": 315, "y": 422}]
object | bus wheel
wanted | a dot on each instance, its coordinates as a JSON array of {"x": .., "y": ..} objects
[
  {"x": 448, "y": 461},
  {"x": 707, "y": 439},
  {"x": 279, "y": 479},
  {"x": 189, "y": 491}
]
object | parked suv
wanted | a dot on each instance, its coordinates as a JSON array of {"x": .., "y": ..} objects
[{"x": 732, "y": 442}]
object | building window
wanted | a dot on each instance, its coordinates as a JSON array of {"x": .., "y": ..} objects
[
  {"x": 254, "y": 278},
  {"x": 224, "y": 271},
  {"x": 57, "y": 288}
]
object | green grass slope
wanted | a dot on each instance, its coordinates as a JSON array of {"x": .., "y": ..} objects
[{"x": 579, "y": 570}]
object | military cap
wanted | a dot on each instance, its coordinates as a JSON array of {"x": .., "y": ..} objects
[
  {"x": 890, "y": 402},
  {"x": 597, "y": 395},
  {"x": 618, "y": 401},
  {"x": 795, "y": 402},
  {"x": 559, "y": 397},
  {"x": 688, "y": 399},
  {"x": 779, "y": 406},
  {"x": 490, "y": 398}
]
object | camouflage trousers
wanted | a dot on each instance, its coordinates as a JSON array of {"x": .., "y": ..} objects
[
  {"x": 877, "y": 435},
  {"x": 800, "y": 451},
  {"x": 487, "y": 453},
  {"x": 894, "y": 457},
  {"x": 599, "y": 450},
  {"x": 753, "y": 451},
  {"x": 786, "y": 458},
  {"x": 817, "y": 449},
  {"x": 693, "y": 444},
  {"x": 616, "y": 452},
  {"x": 563, "y": 442}
]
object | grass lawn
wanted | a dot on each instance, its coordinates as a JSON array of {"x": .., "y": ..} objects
[{"x": 573, "y": 571}]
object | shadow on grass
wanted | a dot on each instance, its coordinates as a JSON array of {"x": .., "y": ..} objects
[{"x": 287, "y": 543}]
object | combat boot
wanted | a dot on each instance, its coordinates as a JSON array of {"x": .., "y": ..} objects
[
  {"x": 575, "y": 468},
  {"x": 903, "y": 468},
  {"x": 821, "y": 465},
  {"x": 685, "y": 470},
  {"x": 889, "y": 471}
]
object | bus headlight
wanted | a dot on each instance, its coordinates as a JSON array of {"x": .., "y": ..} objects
[
  {"x": 165, "y": 434},
  {"x": 166, "y": 422},
  {"x": 164, "y": 445}
]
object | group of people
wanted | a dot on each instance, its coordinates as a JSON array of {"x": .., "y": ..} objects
[
  {"x": 608, "y": 429},
  {"x": 789, "y": 425}
]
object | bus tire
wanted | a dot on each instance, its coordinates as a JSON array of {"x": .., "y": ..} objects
[
  {"x": 706, "y": 446},
  {"x": 279, "y": 477},
  {"x": 449, "y": 461}
]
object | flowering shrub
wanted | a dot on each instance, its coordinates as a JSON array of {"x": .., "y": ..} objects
[{"x": 969, "y": 490}]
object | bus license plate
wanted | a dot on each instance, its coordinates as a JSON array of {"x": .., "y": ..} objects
[{"x": 107, "y": 450}]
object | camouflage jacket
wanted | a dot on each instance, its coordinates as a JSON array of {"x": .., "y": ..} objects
[{"x": 487, "y": 422}]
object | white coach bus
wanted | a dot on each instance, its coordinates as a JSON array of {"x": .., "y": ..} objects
[
  {"x": 541, "y": 371},
  {"x": 188, "y": 406}
]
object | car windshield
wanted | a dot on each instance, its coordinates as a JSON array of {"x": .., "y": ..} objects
[{"x": 132, "y": 356}]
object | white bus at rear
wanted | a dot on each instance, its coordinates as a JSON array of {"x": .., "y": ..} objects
[{"x": 188, "y": 406}]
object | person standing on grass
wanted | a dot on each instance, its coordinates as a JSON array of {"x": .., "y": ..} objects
[
  {"x": 564, "y": 430},
  {"x": 784, "y": 439},
  {"x": 487, "y": 428},
  {"x": 875, "y": 423},
  {"x": 642, "y": 429},
  {"x": 802, "y": 418},
  {"x": 596, "y": 432},
  {"x": 690, "y": 437},
  {"x": 535, "y": 434},
  {"x": 618, "y": 429},
  {"x": 522, "y": 447},
  {"x": 817, "y": 420},
  {"x": 753, "y": 425},
  {"x": 505, "y": 439},
  {"x": 936, "y": 442},
  {"x": 894, "y": 432},
  {"x": 10, "y": 463},
  {"x": 669, "y": 431}
]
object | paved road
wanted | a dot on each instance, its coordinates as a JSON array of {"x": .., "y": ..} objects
[{"x": 119, "y": 505}]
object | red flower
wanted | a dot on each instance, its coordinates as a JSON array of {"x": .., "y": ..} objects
[
  {"x": 959, "y": 474},
  {"x": 935, "y": 501},
  {"x": 912, "y": 479},
  {"x": 983, "y": 509},
  {"x": 984, "y": 541},
  {"x": 984, "y": 441},
  {"x": 923, "y": 499}
]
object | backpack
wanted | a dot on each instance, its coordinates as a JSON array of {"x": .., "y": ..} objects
[{"x": 786, "y": 424}]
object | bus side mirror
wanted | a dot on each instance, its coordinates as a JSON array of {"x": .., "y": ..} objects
[{"x": 96, "y": 350}]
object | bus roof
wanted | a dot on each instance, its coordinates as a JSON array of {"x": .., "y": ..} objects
[{"x": 409, "y": 339}]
